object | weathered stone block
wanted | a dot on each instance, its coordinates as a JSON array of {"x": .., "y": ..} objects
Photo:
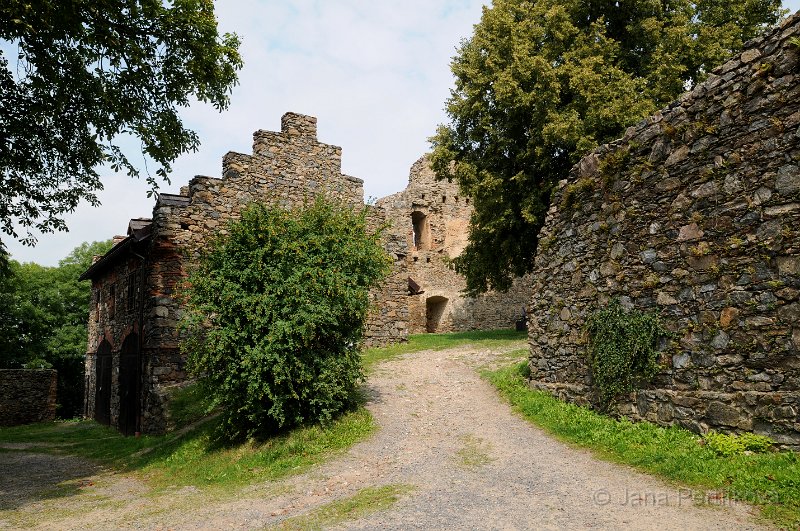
[
  {"x": 789, "y": 265},
  {"x": 721, "y": 413},
  {"x": 665, "y": 299},
  {"x": 728, "y": 316},
  {"x": 788, "y": 180},
  {"x": 721, "y": 340},
  {"x": 690, "y": 232}
]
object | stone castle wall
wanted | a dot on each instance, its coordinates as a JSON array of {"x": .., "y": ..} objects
[
  {"x": 387, "y": 322},
  {"x": 286, "y": 168},
  {"x": 113, "y": 315},
  {"x": 695, "y": 213},
  {"x": 27, "y": 396},
  {"x": 431, "y": 217}
]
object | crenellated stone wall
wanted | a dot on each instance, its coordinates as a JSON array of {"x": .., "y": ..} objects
[
  {"x": 27, "y": 396},
  {"x": 431, "y": 218},
  {"x": 286, "y": 168},
  {"x": 694, "y": 213}
]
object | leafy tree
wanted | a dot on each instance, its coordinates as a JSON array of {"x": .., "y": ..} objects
[
  {"x": 23, "y": 322},
  {"x": 275, "y": 313},
  {"x": 541, "y": 82},
  {"x": 87, "y": 74},
  {"x": 43, "y": 320}
]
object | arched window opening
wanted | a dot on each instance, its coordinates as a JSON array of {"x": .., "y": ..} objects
[{"x": 421, "y": 231}]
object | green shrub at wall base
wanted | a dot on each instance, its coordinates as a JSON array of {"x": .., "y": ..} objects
[
  {"x": 623, "y": 350},
  {"x": 275, "y": 313},
  {"x": 728, "y": 445}
]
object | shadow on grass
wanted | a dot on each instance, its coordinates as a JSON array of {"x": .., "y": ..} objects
[{"x": 192, "y": 455}]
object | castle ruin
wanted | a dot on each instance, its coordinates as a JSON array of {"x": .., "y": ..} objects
[
  {"x": 432, "y": 217},
  {"x": 133, "y": 359}
]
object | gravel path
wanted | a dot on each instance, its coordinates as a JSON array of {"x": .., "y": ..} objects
[{"x": 472, "y": 462}]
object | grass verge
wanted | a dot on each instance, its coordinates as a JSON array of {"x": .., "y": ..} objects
[
  {"x": 194, "y": 458},
  {"x": 189, "y": 404},
  {"x": 769, "y": 481},
  {"x": 364, "y": 503},
  {"x": 417, "y": 342}
]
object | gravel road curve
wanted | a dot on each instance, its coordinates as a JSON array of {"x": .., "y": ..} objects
[{"x": 473, "y": 463}]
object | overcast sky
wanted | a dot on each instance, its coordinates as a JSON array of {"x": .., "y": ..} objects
[{"x": 375, "y": 74}]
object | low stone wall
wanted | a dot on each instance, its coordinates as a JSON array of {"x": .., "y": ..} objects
[
  {"x": 695, "y": 213},
  {"x": 27, "y": 396}
]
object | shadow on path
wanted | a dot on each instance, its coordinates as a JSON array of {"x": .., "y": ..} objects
[{"x": 30, "y": 477}]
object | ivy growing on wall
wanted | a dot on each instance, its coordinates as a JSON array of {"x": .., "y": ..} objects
[{"x": 623, "y": 350}]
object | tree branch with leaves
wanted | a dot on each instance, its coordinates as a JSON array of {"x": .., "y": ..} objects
[
  {"x": 542, "y": 82},
  {"x": 88, "y": 74}
]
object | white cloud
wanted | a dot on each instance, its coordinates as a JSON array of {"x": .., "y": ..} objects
[{"x": 375, "y": 74}]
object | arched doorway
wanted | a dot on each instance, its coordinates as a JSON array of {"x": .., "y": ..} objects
[
  {"x": 434, "y": 310},
  {"x": 129, "y": 385},
  {"x": 102, "y": 383}
]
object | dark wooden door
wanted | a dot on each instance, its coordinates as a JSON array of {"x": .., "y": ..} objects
[{"x": 102, "y": 386}]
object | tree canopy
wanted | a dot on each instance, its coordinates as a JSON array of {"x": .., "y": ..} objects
[
  {"x": 275, "y": 313},
  {"x": 541, "y": 82},
  {"x": 82, "y": 77}
]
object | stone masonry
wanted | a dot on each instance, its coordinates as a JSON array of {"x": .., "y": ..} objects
[
  {"x": 431, "y": 218},
  {"x": 695, "y": 213},
  {"x": 27, "y": 396}
]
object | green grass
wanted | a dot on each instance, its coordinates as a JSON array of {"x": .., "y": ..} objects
[
  {"x": 189, "y": 404},
  {"x": 194, "y": 458},
  {"x": 197, "y": 462},
  {"x": 474, "y": 453},
  {"x": 418, "y": 342},
  {"x": 364, "y": 503},
  {"x": 770, "y": 481}
]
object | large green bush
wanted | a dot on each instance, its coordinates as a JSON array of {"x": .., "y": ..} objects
[{"x": 275, "y": 314}]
